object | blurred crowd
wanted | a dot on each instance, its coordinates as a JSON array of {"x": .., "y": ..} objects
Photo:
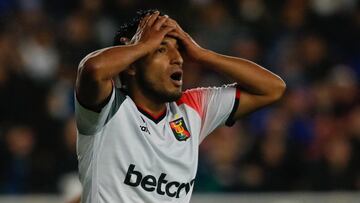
[{"x": 308, "y": 141}]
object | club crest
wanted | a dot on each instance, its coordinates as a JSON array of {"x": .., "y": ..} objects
[{"x": 179, "y": 129}]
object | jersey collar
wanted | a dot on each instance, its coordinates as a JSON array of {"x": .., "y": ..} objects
[{"x": 155, "y": 118}]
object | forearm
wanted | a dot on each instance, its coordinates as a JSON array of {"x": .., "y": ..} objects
[
  {"x": 250, "y": 76},
  {"x": 109, "y": 62}
]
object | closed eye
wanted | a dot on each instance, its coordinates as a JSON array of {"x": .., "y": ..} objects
[{"x": 161, "y": 50}]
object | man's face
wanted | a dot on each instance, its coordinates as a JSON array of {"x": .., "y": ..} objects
[{"x": 159, "y": 74}]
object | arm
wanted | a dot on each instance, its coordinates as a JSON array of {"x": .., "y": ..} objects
[
  {"x": 96, "y": 71},
  {"x": 260, "y": 87},
  {"x": 75, "y": 200}
]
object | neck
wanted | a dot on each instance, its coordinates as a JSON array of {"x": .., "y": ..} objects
[{"x": 146, "y": 103}]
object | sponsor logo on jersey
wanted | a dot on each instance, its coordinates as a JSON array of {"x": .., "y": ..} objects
[
  {"x": 160, "y": 185},
  {"x": 179, "y": 129}
]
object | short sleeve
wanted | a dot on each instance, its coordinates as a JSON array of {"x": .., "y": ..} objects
[
  {"x": 90, "y": 122},
  {"x": 216, "y": 106}
]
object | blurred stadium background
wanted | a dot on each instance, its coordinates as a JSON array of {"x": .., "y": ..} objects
[{"x": 305, "y": 148}]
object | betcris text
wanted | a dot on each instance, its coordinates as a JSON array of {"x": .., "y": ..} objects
[{"x": 160, "y": 185}]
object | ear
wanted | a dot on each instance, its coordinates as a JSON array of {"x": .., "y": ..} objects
[{"x": 124, "y": 40}]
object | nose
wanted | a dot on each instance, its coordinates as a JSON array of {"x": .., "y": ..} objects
[{"x": 176, "y": 58}]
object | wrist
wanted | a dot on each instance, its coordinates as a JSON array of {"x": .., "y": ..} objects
[
  {"x": 145, "y": 48},
  {"x": 203, "y": 55}
]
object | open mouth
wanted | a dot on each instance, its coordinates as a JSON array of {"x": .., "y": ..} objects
[{"x": 176, "y": 78}]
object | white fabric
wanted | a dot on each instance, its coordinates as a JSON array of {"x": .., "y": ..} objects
[{"x": 120, "y": 144}]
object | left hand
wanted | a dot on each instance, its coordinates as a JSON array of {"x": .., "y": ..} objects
[{"x": 192, "y": 50}]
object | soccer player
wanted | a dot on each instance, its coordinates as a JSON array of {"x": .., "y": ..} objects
[{"x": 139, "y": 142}]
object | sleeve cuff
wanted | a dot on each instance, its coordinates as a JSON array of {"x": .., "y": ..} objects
[{"x": 231, "y": 121}]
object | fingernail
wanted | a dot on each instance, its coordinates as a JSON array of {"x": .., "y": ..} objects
[{"x": 166, "y": 16}]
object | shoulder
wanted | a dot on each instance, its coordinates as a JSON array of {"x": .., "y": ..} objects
[{"x": 196, "y": 95}]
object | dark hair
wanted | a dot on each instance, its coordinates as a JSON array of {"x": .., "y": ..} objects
[{"x": 128, "y": 29}]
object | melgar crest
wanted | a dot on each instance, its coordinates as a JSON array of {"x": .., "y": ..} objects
[{"x": 179, "y": 129}]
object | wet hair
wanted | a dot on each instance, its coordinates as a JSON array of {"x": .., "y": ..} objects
[{"x": 128, "y": 29}]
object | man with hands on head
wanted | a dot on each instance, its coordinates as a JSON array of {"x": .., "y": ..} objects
[{"x": 138, "y": 142}]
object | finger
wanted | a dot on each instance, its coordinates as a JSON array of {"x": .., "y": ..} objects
[
  {"x": 144, "y": 20},
  {"x": 159, "y": 22},
  {"x": 167, "y": 30},
  {"x": 174, "y": 34},
  {"x": 152, "y": 18},
  {"x": 173, "y": 22},
  {"x": 169, "y": 22},
  {"x": 178, "y": 34},
  {"x": 177, "y": 25}
]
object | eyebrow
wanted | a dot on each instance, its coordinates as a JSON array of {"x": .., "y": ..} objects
[{"x": 166, "y": 43}]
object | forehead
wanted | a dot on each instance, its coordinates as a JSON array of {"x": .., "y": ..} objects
[{"x": 170, "y": 41}]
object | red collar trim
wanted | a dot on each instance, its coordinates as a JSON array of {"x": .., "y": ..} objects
[{"x": 155, "y": 118}]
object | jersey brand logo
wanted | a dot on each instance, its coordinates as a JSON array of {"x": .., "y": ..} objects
[
  {"x": 179, "y": 129},
  {"x": 144, "y": 129},
  {"x": 160, "y": 185}
]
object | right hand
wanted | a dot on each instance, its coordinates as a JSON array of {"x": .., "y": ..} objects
[
  {"x": 151, "y": 31},
  {"x": 193, "y": 51}
]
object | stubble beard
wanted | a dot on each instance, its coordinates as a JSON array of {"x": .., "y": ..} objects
[{"x": 157, "y": 94}]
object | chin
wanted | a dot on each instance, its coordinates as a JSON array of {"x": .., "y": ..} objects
[
  {"x": 163, "y": 96},
  {"x": 174, "y": 96},
  {"x": 160, "y": 93},
  {"x": 178, "y": 96}
]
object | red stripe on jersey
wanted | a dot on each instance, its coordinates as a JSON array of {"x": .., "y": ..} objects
[{"x": 194, "y": 99}]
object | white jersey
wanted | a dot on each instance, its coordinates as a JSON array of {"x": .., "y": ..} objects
[{"x": 127, "y": 155}]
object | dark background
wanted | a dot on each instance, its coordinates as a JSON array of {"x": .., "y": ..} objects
[{"x": 308, "y": 141}]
